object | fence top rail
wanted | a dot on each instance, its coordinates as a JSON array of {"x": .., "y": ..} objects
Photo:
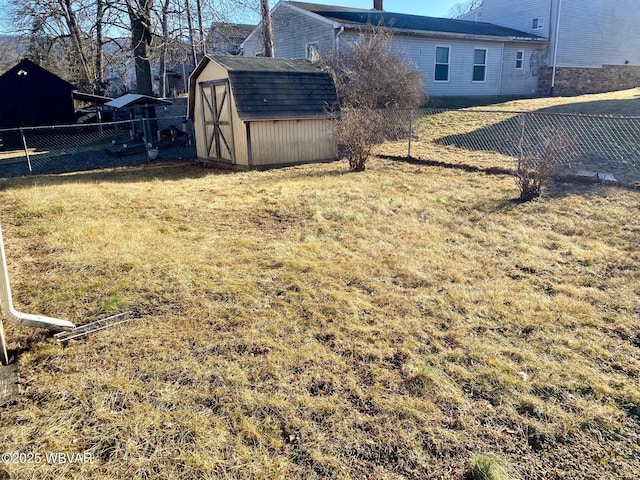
[
  {"x": 518, "y": 112},
  {"x": 87, "y": 125}
]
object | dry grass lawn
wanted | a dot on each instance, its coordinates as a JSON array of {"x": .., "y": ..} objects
[{"x": 408, "y": 322}]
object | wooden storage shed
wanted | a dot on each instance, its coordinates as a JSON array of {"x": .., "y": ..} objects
[{"x": 258, "y": 112}]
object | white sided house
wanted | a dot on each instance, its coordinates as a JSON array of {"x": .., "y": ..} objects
[
  {"x": 258, "y": 112},
  {"x": 455, "y": 57},
  {"x": 593, "y": 45}
]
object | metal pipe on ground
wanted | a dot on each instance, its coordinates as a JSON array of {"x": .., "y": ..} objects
[{"x": 21, "y": 318}]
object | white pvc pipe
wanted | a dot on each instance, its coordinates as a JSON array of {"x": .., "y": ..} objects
[{"x": 24, "y": 318}]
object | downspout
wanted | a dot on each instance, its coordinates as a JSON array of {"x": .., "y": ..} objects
[
  {"x": 501, "y": 69},
  {"x": 338, "y": 39},
  {"x": 19, "y": 317},
  {"x": 555, "y": 48}
]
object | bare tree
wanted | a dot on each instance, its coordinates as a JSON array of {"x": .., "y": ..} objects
[
  {"x": 202, "y": 37},
  {"x": 69, "y": 37},
  {"x": 69, "y": 30},
  {"x": 369, "y": 77},
  {"x": 68, "y": 10},
  {"x": 101, "y": 13},
  {"x": 141, "y": 34},
  {"x": 369, "y": 74},
  {"x": 9, "y": 52},
  {"x": 192, "y": 41},
  {"x": 169, "y": 46},
  {"x": 164, "y": 24},
  {"x": 463, "y": 7}
]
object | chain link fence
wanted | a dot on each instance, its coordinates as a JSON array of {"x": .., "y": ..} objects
[
  {"x": 70, "y": 148},
  {"x": 601, "y": 147},
  {"x": 604, "y": 148}
]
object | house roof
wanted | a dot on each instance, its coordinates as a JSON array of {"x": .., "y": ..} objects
[
  {"x": 135, "y": 99},
  {"x": 232, "y": 29},
  {"x": 274, "y": 88},
  {"x": 90, "y": 97},
  {"x": 415, "y": 23},
  {"x": 26, "y": 69}
]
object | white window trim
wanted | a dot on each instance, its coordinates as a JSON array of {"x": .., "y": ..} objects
[
  {"x": 308, "y": 50},
  {"x": 448, "y": 64},
  {"x": 521, "y": 60},
  {"x": 540, "y": 24},
  {"x": 485, "y": 64}
]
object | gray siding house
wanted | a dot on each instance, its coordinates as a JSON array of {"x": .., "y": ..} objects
[
  {"x": 592, "y": 44},
  {"x": 455, "y": 57},
  {"x": 226, "y": 38}
]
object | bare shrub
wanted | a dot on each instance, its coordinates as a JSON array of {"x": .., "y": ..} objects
[
  {"x": 368, "y": 76},
  {"x": 357, "y": 132},
  {"x": 539, "y": 152}
]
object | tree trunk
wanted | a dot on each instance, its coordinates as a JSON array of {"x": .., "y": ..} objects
[
  {"x": 194, "y": 55},
  {"x": 99, "y": 60},
  {"x": 78, "y": 40},
  {"x": 164, "y": 48},
  {"x": 203, "y": 40},
  {"x": 140, "y": 16},
  {"x": 267, "y": 29}
]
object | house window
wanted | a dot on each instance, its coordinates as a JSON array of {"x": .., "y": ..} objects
[
  {"x": 233, "y": 45},
  {"x": 519, "y": 59},
  {"x": 479, "y": 64},
  {"x": 538, "y": 23},
  {"x": 313, "y": 51},
  {"x": 442, "y": 64}
]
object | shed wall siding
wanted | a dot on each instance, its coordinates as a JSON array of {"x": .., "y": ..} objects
[{"x": 291, "y": 141}]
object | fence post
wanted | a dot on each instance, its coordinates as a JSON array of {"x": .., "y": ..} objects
[
  {"x": 4, "y": 355},
  {"x": 410, "y": 132},
  {"x": 26, "y": 150}
]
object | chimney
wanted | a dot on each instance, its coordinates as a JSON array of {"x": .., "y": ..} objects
[{"x": 377, "y": 5}]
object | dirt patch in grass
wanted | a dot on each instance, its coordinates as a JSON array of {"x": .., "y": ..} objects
[{"x": 300, "y": 323}]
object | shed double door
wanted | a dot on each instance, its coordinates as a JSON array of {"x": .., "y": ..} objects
[{"x": 217, "y": 120}]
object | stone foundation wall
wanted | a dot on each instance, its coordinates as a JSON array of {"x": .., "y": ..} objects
[{"x": 579, "y": 81}]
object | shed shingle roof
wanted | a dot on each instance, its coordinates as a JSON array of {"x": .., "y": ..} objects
[
  {"x": 275, "y": 88},
  {"x": 403, "y": 21}
]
